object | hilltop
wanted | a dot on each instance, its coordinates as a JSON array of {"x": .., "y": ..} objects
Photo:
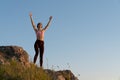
[{"x": 15, "y": 65}]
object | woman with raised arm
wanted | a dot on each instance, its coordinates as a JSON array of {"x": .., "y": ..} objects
[{"x": 39, "y": 43}]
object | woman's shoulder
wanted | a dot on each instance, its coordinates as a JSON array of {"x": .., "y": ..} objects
[
  {"x": 36, "y": 30},
  {"x": 43, "y": 30}
]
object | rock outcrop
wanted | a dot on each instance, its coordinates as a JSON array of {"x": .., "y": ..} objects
[
  {"x": 8, "y": 53},
  {"x": 61, "y": 75}
]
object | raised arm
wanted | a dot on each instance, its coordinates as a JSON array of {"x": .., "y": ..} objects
[
  {"x": 48, "y": 23},
  {"x": 34, "y": 27}
]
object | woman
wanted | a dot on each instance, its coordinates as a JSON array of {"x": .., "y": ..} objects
[{"x": 39, "y": 43}]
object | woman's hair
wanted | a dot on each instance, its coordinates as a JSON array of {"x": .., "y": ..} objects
[{"x": 38, "y": 24}]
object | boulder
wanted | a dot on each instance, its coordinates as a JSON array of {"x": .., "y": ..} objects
[
  {"x": 8, "y": 53},
  {"x": 61, "y": 75}
]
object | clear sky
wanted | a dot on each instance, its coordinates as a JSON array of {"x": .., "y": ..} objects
[{"x": 83, "y": 35}]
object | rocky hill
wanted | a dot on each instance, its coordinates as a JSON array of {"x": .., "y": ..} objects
[{"x": 16, "y": 53}]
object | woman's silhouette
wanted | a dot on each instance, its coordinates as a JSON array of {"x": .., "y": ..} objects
[{"x": 39, "y": 43}]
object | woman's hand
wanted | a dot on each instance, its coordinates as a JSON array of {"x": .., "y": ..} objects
[
  {"x": 30, "y": 14},
  {"x": 50, "y": 18}
]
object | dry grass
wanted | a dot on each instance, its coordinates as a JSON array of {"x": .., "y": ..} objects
[{"x": 15, "y": 71}]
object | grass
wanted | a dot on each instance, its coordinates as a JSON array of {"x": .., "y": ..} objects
[{"x": 16, "y": 71}]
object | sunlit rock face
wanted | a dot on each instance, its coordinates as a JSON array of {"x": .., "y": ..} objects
[{"x": 8, "y": 53}]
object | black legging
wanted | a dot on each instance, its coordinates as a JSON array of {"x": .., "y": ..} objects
[{"x": 39, "y": 46}]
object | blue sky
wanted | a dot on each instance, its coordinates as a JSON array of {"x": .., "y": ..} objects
[{"x": 84, "y": 34}]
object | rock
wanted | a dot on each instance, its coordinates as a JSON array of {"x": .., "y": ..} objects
[
  {"x": 61, "y": 75},
  {"x": 8, "y": 53}
]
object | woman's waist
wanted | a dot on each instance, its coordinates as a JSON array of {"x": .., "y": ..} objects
[{"x": 42, "y": 40}]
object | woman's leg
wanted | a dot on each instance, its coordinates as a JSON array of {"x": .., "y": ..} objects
[
  {"x": 41, "y": 53},
  {"x": 36, "y": 51}
]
